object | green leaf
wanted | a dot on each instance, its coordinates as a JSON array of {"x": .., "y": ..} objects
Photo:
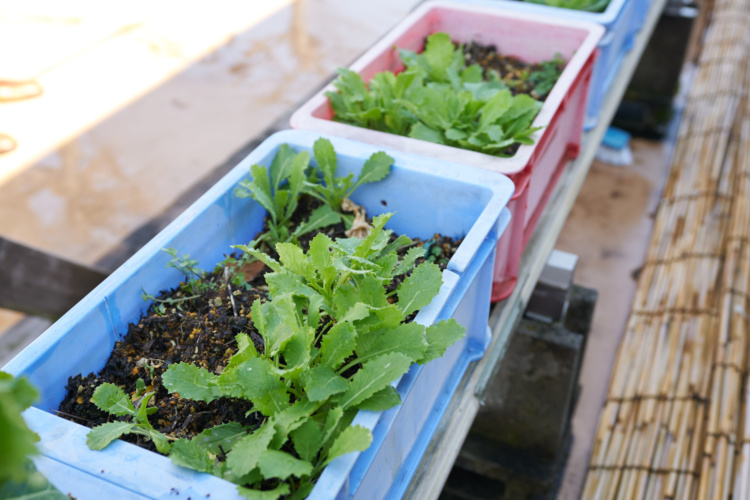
[
  {"x": 326, "y": 158},
  {"x": 408, "y": 339},
  {"x": 382, "y": 400},
  {"x": 112, "y": 399},
  {"x": 438, "y": 53},
  {"x": 358, "y": 311},
  {"x": 376, "y": 168},
  {"x": 249, "y": 450},
  {"x": 267, "y": 260},
  {"x": 321, "y": 217},
  {"x": 280, "y": 465},
  {"x": 225, "y": 435},
  {"x": 372, "y": 292},
  {"x": 29, "y": 484},
  {"x": 495, "y": 108},
  {"x": 258, "y": 317},
  {"x": 373, "y": 377},
  {"x": 440, "y": 337},
  {"x": 100, "y": 436},
  {"x": 260, "y": 189},
  {"x": 333, "y": 418},
  {"x": 407, "y": 263},
  {"x": 273, "y": 494},
  {"x": 424, "y": 133},
  {"x": 245, "y": 350},
  {"x": 192, "y": 382},
  {"x": 323, "y": 382},
  {"x": 160, "y": 440},
  {"x": 281, "y": 167},
  {"x": 191, "y": 455},
  {"x": 307, "y": 440},
  {"x": 16, "y": 439},
  {"x": 263, "y": 387},
  {"x": 419, "y": 288},
  {"x": 294, "y": 259},
  {"x": 354, "y": 438},
  {"x": 351, "y": 84},
  {"x": 337, "y": 345},
  {"x": 320, "y": 251}
]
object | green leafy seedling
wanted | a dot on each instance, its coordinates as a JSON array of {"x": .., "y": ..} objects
[
  {"x": 438, "y": 99},
  {"x": 335, "y": 341},
  {"x": 110, "y": 398},
  {"x": 335, "y": 189}
]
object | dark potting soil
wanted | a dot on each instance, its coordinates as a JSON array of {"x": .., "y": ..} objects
[
  {"x": 202, "y": 332},
  {"x": 521, "y": 77}
]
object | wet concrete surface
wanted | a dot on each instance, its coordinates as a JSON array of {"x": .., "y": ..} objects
[{"x": 81, "y": 201}]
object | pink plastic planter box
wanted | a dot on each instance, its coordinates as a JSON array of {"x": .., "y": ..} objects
[{"x": 533, "y": 169}]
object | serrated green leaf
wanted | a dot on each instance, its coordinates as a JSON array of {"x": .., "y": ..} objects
[
  {"x": 376, "y": 168},
  {"x": 440, "y": 337},
  {"x": 260, "y": 189},
  {"x": 281, "y": 166},
  {"x": 438, "y": 53},
  {"x": 280, "y": 465},
  {"x": 354, "y": 438},
  {"x": 267, "y": 260},
  {"x": 323, "y": 382},
  {"x": 382, "y": 400},
  {"x": 294, "y": 259},
  {"x": 229, "y": 383},
  {"x": 320, "y": 251},
  {"x": 160, "y": 440},
  {"x": 224, "y": 435},
  {"x": 419, "y": 288},
  {"x": 407, "y": 263},
  {"x": 307, "y": 440},
  {"x": 321, "y": 217},
  {"x": 191, "y": 455},
  {"x": 192, "y": 382},
  {"x": 273, "y": 494},
  {"x": 112, "y": 399},
  {"x": 245, "y": 350},
  {"x": 372, "y": 292},
  {"x": 263, "y": 387},
  {"x": 333, "y": 418},
  {"x": 373, "y": 377},
  {"x": 407, "y": 339},
  {"x": 100, "y": 436},
  {"x": 249, "y": 450},
  {"x": 259, "y": 318},
  {"x": 337, "y": 345},
  {"x": 325, "y": 156},
  {"x": 358, "y": 311}
]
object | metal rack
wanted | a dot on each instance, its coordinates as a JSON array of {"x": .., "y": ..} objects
[{"x": 452, "y": 430}]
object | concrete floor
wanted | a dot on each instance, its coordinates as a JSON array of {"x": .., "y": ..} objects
[{"x": 609, "y": 228}]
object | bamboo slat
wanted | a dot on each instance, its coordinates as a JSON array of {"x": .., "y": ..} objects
[{"x": 675, "y": 424}]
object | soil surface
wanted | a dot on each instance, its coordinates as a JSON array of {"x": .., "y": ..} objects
[
  {"x": 201, "y": 331},
  {"x": 521, "y": 77}
]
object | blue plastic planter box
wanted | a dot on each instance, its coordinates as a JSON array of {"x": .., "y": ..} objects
[
  {"x": 427, "y": 195},
  {"x": 622, "y": 19}
]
